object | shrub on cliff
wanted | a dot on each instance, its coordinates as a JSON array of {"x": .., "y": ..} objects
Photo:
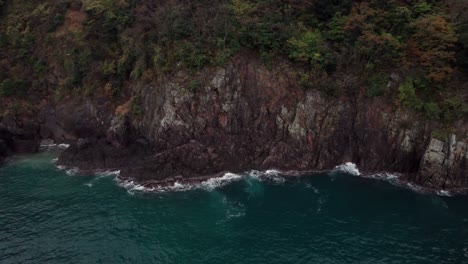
[{"x": 340, "y": 47}]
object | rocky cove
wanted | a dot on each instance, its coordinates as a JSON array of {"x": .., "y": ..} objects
[{"x": 237, "y": 118}]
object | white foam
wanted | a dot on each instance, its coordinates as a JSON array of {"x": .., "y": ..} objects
[
  {"x": 131, "y": 186},
  {"x": 384, "y": 176},
  {"x": 61, "y": 146},
  {"x": 272, "y": 173},
  {"x": 207, "y": 185},
  {"x": 414, "y": 187},
  {"x": 269, "y": 175},
  {"x": 108, "y": 173},
  {"x": 444, "y": 193},
  {"x": 48, "y": 145},
  {"x": 70, "y": 171},
  {"x": 214, "y": 183},
  {"x": 349, "y": 168}
]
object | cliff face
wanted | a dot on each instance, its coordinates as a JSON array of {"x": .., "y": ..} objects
[
  {"x": 238, "y": 118},
  {"x": 18, "y": 136},
  {"x": 245, "y": 117}
]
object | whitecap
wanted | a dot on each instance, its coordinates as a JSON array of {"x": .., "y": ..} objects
[
  {"x": 444, "y": 193},
  {"x": 414, "y": 187},
  {"x": 349, "y": 168},
  {"x": 214, "y": 183},
  {"x": 70, "y": 171},
  {"x": 269, "y": 175},
  {"x": 63, "y": 146},
  {"x": 385, "y": 176},
  {"x": 108, "y": 173},
  {"x": 48, "y": 145},
  {"x": 177, "y": 186}
]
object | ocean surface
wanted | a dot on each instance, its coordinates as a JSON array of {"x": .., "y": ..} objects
[{"x": 49, "y": 216}]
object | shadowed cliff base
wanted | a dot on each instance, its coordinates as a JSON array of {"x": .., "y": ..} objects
[{"x": 246, "y": 117}]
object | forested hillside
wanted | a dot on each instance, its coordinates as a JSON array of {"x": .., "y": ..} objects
[{"x": 414, "y": 53}]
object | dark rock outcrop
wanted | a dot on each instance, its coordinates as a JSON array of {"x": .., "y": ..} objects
[
  {"x": 247, "y": 117},
  {"x": 18, "y": 136}
]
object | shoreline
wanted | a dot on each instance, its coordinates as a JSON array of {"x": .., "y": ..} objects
[{"x": 212, "y": 181}]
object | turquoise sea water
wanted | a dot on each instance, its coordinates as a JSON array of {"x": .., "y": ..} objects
[{"x": 47, "y": 216}]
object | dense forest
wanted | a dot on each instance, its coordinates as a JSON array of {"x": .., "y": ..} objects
[{"x": 412, "y": 52}]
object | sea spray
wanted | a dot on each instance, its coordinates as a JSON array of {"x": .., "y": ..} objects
[
  {"x": 70, "y": 171},
  {"x": 214, "y": 183},
  {"x": 349, "y": 168},
  {"x": 179, "y": 186},
  {"x": 268, "y": 176},
  {"x": 50, "y": 146}
]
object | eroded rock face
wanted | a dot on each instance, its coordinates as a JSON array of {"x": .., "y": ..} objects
[
  {"x": 445, "y": 164},
  {"x": 244, "y": 117}
]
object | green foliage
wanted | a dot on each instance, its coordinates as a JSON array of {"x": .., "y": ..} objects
[
  {"x": 337, "y": 47},
  {"x": 432, "y": 110},
  {"x": 57, "y": 21},
  {"x": 135, "y": 107},
  {"x": 441, "y": 134},
  {"x": 242, "y": 8},
  {"x": 18, "y": 87},
  {"x": 376, "y": 85},
  {"x": 192, "y": 56},
  {"x": 108, "y": 68},
  {"x": 138, "y": 70},
  {"x": 76, "y": 65},
  {"x": 407, "y": 95},
  {"x": 113, "y": 15},
  {"x": 308, "y": 47},
  {"x": 3, "y": 39},
  {"x": 194, "y": 85},
  {"x": 454, "y": 108},
  {"x": 40, "y": 66},
  {"x": 422, "y": 8},
  {"x": 335, "y": 28}
]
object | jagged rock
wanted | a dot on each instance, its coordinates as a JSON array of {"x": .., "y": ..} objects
[
  {"x": 81, "y": 143},
  {"x": 247, "y": 117},
  {"x": 444, "y": 164},
  {"x": 18, "y": 136},
  {"x": 119, "y": 132}
]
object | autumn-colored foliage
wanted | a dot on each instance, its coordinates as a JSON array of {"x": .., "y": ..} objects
[{"x": 413, "y": 52}]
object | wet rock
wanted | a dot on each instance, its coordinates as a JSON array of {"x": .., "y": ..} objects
[{"x": 247, "y": 117}]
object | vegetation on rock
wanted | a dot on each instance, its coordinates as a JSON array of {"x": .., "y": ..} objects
[{"x": 413, "y": 52}]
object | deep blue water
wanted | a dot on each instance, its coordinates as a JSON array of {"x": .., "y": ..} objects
[{"x": 47, "y": 216}]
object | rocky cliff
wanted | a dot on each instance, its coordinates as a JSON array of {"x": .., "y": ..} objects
[{"x": 245, "y": 116}]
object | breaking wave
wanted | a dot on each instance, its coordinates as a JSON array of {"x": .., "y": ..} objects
[
  {"x": 177, "y": 186},
  {"x": 268, "y": 176},
  {"x": 271, "y": 176},
  {"x": 349, "y": 168},
  {"x": 70, "y": 171},
  {"x": 60, "y": 146}
]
